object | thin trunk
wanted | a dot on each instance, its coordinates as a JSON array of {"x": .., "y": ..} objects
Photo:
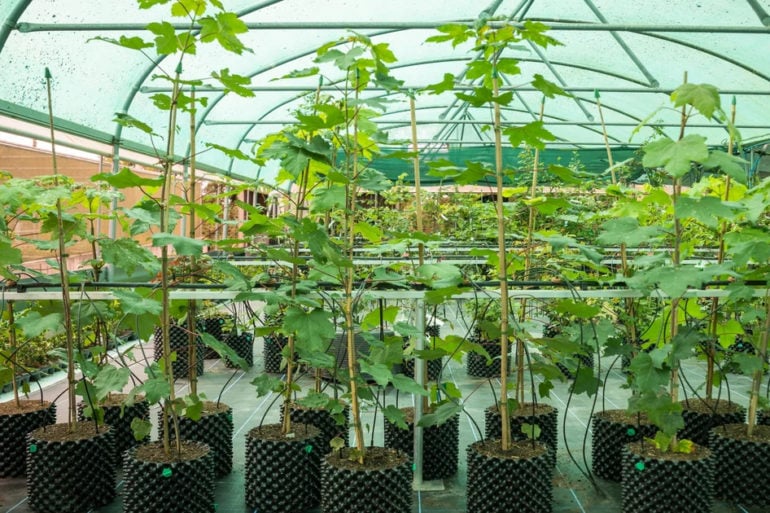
[
  {"x": 349, "y": 278},
  {"x": 13, "y": 347},
  {"x": 714, "y": 311},
  {"x": 418, "y": 225},
  {"x": 192, "y": 310},
  {"x": 528, "y": 248},
  {"x": 756, "y": 378},
  {"x": 165, "y": 319},
  {"x": 63, "y": 271},
  {"x": 505, "y": 438}
]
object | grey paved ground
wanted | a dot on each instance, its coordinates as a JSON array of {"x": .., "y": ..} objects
[{"x": 573, "y": 491}]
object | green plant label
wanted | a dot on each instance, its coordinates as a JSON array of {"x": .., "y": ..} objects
[
  {"x": 639, "y": 466},
  {"x": 308, "y": 448},
  {"x": 33, "y": 448},
  {"x": 631, "y": 432},
  {"x": 167, "y": 472}
]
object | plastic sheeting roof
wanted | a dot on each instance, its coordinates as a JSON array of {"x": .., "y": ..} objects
[{"x": 633, "y": 53}]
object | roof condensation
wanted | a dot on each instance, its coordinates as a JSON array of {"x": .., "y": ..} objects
[{"x": 652, "y": 46}]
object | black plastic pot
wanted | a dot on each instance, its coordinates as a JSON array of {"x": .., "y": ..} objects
[
  {"x": 215, "y": 429},
  {"x": 546, "y": 417},
  {"x": 434, "y": 366},
  {"x": 700, "y": 416},
  {"x": 440, "y": 445},
  {"x": 741, "y": 464},
  {"x": 119, "y": 418},
  {"x": 178, "y": 341},
  {"x": 347, "y": 487},
  {"x": 175, "y": 486},
  {"x": 271, "y": 352},
  {"x": 325, "y": 422},
  {"x": 243, "y": 345},
  {"x": 668, "y": 482},
  {"x": 70, "y": 475},
  {"x": 476, "y": 364},
  {"x": 611, "y": 431},
  {"x": 14, "y": 426},
  {"x": 214, "y": 326},
  {"x": 521, "y": 483},
  {"x": 282, "y": 474}
]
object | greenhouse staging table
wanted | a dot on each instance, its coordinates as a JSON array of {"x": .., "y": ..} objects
[{"x": 573, "y": 490}]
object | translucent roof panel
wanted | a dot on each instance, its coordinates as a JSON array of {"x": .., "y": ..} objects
[{"x": 632, "y": 54}]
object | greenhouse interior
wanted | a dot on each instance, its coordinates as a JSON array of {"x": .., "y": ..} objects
[{"x": 273, "y": 256}]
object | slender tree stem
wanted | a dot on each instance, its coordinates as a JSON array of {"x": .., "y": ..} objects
[{"x": 502, "y": 257}]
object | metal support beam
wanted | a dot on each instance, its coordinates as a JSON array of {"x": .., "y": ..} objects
[
  {"x": 419, "y": 377},
  {"x": 554, "y": 25},
  {"x": 760, "y": 12},
  {"x": 598, "y": 13},
  {"x": 458, "y": 87},
  {"x": 212, "y": 122}
]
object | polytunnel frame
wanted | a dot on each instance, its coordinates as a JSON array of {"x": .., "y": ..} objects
[
  {"x": 652, "y": 87},
  {"x": 554, "y": 24}
]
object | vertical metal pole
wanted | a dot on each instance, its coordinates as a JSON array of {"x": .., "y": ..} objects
[{"x": 419, "y": 376}]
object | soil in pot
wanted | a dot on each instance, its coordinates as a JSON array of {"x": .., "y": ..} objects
[
  {"x": 700, "y": 415},
  {"x": 666, "y": 482},
  {"x": 742, "y": 464},
  {"x": 70, "y": 469},
  {"x": 282, "y": 472},
  {"x": 215, "y": 429},
  {"x": 522, "y": 478},
  {"x": 383, "y": 484},
  {"x": 325, "y": 422},
  {"x": 157, "y": 482},
  {"x": 543, "y": 415},
  {"x": 440, "y": 445},
  {"x": 611, "y": 431},
  {"x": 15, "y": 423}
]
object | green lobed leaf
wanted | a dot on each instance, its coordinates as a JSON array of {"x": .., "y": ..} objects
[
  {"x": 676, "y": 157},
  {"x": 533, "y": 134},
  {"x": 408, "y": 385},
  {"x": 224, "y": 28},
  {"x": 182, "y": 245},
  {"x": 704, "y": 97},
  {"x": 440, "y": 414},
  {"x": 233, "y": 83},
  {"x": 379, "y": 372}
]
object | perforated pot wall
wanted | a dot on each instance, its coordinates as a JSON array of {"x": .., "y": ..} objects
[
  {"x": 324, "y": 421},
  {"x": 608, "y": 438},
  {"x": 215, "y": 429},
  {"x": 506, "y": 485},
  {"x": 547, "y": 420},
  {"x": 666, "y": 485},
  {"x": 123, "y": 435},
  {"x": 272, "y": 352},
  {"x": 476, "y": 364},
  {"x": 698, "y": 424},
  {"x": 742, "y": 465},
  {"x": 179, "y": 343},
  {"x": 243, "y": 345},
  {"x": 13, "y": 436},
  {"x": 70, "y": 476},
  {"x": 440, "y": 445},
  {"x": 171, "y": 487},
  {"x": 349, "y": 490},
  {"x": 283, "y": 475}
]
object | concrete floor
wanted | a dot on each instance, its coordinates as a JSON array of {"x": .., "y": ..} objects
[{"x": 573, "y": 490}]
